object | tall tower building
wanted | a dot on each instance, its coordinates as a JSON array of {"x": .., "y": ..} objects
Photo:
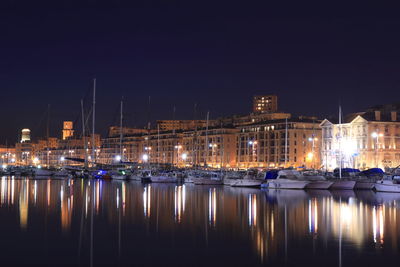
[
  {"x": 265, "y": 103},
  {"x": 25, "y": 135},
  {"x": 68, "y": 130}
]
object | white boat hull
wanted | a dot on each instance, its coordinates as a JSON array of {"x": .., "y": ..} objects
[
  {"x": 324, "y": 185},
  {"x": 206, "y": 181},
  {"x": 364, "y": 185},
  {"x": 118, "y": 177},
  {"x": 41, "y": 172},
  {"x": 163, "y": 179},
  {"x": 285, "y": 184},
  {"x": 343, "y": 185},
  {"x": 246, "y": 183},
  {"x": 387, "y": 186}
]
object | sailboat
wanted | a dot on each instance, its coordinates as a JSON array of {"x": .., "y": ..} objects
[
  {"x": 120, "y": 174},
  {"x": 340, "y": 183}
]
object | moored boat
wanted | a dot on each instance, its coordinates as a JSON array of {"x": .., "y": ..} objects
[
  {"x": 284, "y": 183},
  {"x": 364, "y": 185},
  {"x": 212, "y": 178},
  {"x": 247, "y": 183},
  {"x": 339, "y": 184},
  {"x": 387, "y": 186},
  {"x": 323, "y": 185}
]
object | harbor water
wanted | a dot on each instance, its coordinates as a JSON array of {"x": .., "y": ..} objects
[{"x": 96, "y": 222}]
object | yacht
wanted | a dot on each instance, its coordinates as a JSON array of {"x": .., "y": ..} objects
[
  {"x": 165, "y": 177},
  {"x": 285, "y": 179},
  {"x": 119, "y": 174},
  {"x": 61, "y": 174},
  {"x": 249, "y": 180},
  {"x": 387, "y": 186},
  {"x": 232, "y": 177},
  {"x": 210, "y": 178},
  {"x": 40, "y": 173}
]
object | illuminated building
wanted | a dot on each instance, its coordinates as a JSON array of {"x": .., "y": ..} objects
[
  {"x": 68, "y": 130},
  {"x": 171, "y": 125},
  {"x": 240, "y": 120},
  {"x": 25, "y": 135},
  {"x": 115, "y": 131},
  {"x": 7, "y": 155},
  {"x": 265, "y": 103},
  {"x": 264, "y": 144},
  {"x": 364, "y": 140}
]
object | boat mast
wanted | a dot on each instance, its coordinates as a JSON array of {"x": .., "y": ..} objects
[
  {"x": 194, "y": 149},
  {"x": 340, "y": 141},
  {"x": 121, "y": 132},
  {"x": 158, "y": 145},
  {"x": 148, "y": 132},
  {"x": 206, "y": 142},
  {"x": 47, "y": 135},
  {"x": 174, "y": 139},
  {"x": 93, "y": 122},
  {"x": 286, "y": 140},
  {"x": 84, "y": 135}
]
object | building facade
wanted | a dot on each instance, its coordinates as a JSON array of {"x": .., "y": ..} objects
[
  {"x": 365, "y": 140},
  {"x": 265, "y": 103},
  {"x": 266, "y": 145}
]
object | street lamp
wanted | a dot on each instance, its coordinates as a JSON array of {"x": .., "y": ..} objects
[
  {"x": 376, "y": 135},
  {"x": 311, "y": 158},
  {"x": 184, "y": 157}
]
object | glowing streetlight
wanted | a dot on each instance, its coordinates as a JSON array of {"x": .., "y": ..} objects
[
  {"x": 145, "y": 157},
  {"x": 184, "y": 156},
  {"x": 62, "y": 158},
  {"x": 117, "y": 158}
]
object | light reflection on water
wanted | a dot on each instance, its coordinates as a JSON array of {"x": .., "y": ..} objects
[{"x": 131, "y": 223}]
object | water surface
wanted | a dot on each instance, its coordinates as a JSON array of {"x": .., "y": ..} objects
[{"x": 80, "y": 222}]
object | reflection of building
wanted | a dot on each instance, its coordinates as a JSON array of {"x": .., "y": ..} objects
[
  {"x": 366, "y": 139},
  {"x": 68, "y": 130},
  {"x": 265, "y": 103}
]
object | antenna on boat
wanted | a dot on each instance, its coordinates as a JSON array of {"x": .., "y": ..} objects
[
  {"x": 286, "y": 140},
  {"x": 84, "y": 135},
  {"x": 206, "y": 142},
  {"x": 340, "y": 141},
  {"x": 93, "y": 122},
  {"x": 47, "y": 135},
  {"x": 121, "y": 131}
]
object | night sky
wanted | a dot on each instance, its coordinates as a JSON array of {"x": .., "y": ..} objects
[{"x": 217, "y": 55}]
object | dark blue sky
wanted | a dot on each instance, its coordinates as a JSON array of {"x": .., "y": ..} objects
[{"x": 180, "y": 53}]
